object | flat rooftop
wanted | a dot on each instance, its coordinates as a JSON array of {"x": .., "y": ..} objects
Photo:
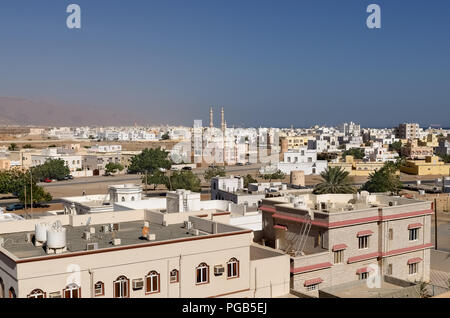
[
  {"x": 335, "y": 203},
  {"x": 130, "y": 233},
  {"x": 360, "y": 289}
]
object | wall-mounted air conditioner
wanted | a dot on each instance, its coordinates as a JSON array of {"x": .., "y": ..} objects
[
  {"x": 92, "y": 246},
  {"x": 138, "y": 284},
  {"x": 219, "y": 270}
]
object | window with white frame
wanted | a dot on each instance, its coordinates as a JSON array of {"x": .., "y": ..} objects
[
  {"x": 202, "y": 272},
  {"x": 152, "y": 282},
  {"x": 413, "y": 234},
  {"x": 233, "y": 268},
  {"x": 72, "y": 291},
  {"x": 363, "y": 242},
  {"x": 121, "y": 287},
  {"x": 36, "y": 293},
  {"x": 174, "y": 276},
  {"x": 99, "y": 289}
]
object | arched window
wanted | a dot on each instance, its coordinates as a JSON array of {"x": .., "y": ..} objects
[
  {"x": 12, "y": 293},
  {"x": 152, "y": 283},
  {"x": 123, "y": 199},
  {"x": 2, "y": 289},
  {"x": 36, "y": 293},
  {"x": 99, "y": 289},
  {"x": 202, "y": 272},
  {"x": 233, "y": 268},
  {"x": 174, "y": 276},
  {"x": 72, "y": 291},
  {"x": 122, "y": 287},
  {"x": 132, "y": 198}
]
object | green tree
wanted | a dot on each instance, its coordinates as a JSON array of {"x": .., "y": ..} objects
[
  {"x": 27, "y": 146},
  {"x": 13, "y": 147},
  {"x": 149, "y": 161},
  {"x": 52, "y": 169},
  {"x": 113, "y": 167},
  {"x": 155, "y": 179},
  {"x": 277, "y": 175},
  {"x": 183, "y": 180},
  {"x": 15, "y": 182},
  {"x": 212, "y": 172},
  {"x": 396, "y": 146},
  {"x": 445, "y": 158},
  {"x": 357, "y": 153},
  {"x": 384, "y": 179},
  {"x": 249, "y": 179},
  {"x": 165, "y": 136},
  {"x": 335, "y": 180}
]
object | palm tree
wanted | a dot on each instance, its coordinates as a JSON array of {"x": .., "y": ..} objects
[{"x": 335, "y": 180}]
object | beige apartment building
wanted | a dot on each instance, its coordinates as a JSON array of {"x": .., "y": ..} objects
[
  {"x": 137, "y": 253},
  {"x": 408, "y": 131},
  {"x": 336, "y": 239}
]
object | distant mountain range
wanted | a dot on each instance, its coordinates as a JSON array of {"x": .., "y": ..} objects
[{"x": 19, "y": 111}]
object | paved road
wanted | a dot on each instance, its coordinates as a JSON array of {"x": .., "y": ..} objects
[{"x": 135, "y": 177}]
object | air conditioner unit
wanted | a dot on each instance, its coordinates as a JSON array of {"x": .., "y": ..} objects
[
  {"x": 219, "y": 270},
  {"x": 92, "y": 246},
  {"x": 138, "y": 283},
  {"x": 55, "y": 295}
]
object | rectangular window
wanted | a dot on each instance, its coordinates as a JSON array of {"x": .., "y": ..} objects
[
  {"x": 364, "y": 275},
  {"x": 413, "y": 268},
  {"x": 391, "y": 234},
  {"x": 339, "y": 257},
  {"x": 312, "y": 287},
  {"x": 363, "y": 242},
  {"x": 413, "y": 234},
  {"x": 389, "y": 269}
]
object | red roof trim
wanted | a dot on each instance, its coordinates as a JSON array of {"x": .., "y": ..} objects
[
  {"x": 407, "y": 249},
  {"x": 280, "y": 227},
  {"x": 414, "y": 260},
  {"x": 339, "y": 247},
  {"x": 267, "y": 208},
  {"x": 364, "y": 233},
  {"x": 363, "y": 257},
  {"x": 364, "y": 270},
  {"x": 314, "y": 281},
  {"x": 310, "y": 268},
  {"x": 298, "y": 220},
  {"x": 414, "y": 226}
]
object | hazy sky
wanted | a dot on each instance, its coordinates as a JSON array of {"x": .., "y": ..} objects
[{"x": 269, "y": 63}]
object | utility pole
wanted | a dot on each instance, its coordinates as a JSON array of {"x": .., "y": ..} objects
[
  {"x": 435, "y": 225},
  {"x": 31, "y": 191},
  {"x": 25, "y": 205}
]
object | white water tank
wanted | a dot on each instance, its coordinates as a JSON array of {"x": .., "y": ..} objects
[
  {"x": 41, "y": 232},
  {"x": 56, "y": 237}
]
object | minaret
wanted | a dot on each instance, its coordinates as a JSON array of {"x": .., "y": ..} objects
[
  {"x": 211, "y": 121},
  {"x": 223, "y": 120}
]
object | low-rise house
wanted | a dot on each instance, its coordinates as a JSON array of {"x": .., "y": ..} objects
[{"x": 334, "y": 239}]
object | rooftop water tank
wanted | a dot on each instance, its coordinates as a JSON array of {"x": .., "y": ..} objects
[
  {"x": 56, "y": 236},
  {"x": 41, "y": 232}
]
